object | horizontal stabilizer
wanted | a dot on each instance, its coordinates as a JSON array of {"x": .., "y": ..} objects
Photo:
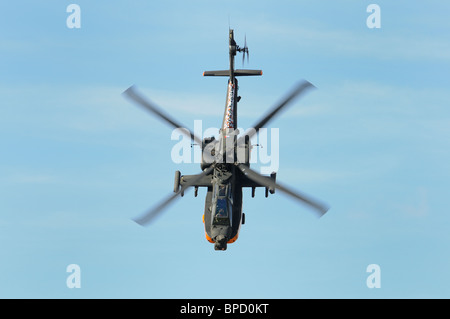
[{"x": 236, "y": 73}]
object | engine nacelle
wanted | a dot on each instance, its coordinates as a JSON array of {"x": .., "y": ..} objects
[
  {"x": 248, "y": 149},
  {"x": 244, "y": 150},
  {"x": 208, "y": 152},
  {"x": 241, "y": 152}
]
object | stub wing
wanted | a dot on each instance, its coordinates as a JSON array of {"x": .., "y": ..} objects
[
  {"x": 245, "y": 181},
  {"x": 204, "y": 181}
]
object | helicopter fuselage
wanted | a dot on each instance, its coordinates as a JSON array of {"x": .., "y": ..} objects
[{"x": 225, "y": 161}]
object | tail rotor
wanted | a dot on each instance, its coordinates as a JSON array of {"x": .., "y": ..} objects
[{"x": 244, "y": 50}]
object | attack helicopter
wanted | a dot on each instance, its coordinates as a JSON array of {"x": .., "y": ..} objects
[{"x": 225, "y": 164}]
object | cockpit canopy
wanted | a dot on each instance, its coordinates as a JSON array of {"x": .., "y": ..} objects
[
  {"x": 221, "y": 213},
  {"x": 222, "y": 207}
]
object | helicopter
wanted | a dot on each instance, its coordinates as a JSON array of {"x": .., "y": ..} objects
[{"x": 225, "y": 161}]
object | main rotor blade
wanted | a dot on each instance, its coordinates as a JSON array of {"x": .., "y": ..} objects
[
  {"x": 268, "y": 182},
  {"x": 133, "y": 95},
  {"x": 298, "y": 90},
  {"x": 153, "y": 213}
]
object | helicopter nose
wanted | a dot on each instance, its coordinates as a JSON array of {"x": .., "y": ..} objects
[{"x": 221, "y": 243}]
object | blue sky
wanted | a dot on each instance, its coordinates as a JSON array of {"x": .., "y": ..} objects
[{"x": 78, "y": 161}]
